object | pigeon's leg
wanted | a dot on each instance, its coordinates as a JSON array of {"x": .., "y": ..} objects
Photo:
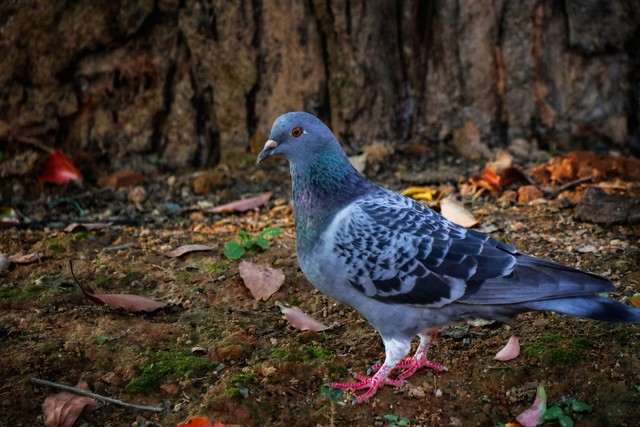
[
  {"x": 419, "y": 359},
  {"x": 395, "y": 350}
]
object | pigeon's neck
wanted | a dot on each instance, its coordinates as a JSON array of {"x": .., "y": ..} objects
[{"x": 322, "y": 187}]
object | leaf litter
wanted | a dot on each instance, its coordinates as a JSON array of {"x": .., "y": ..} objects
[{"x": 240, "y": 334}]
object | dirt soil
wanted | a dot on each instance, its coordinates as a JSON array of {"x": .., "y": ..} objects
[{"x": 216, "y": 352}]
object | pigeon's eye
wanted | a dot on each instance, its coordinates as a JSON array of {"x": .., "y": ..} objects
[{"x": 296, "y": 131}]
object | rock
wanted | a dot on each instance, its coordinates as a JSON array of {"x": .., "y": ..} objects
[{"x": 598, "y": 207}]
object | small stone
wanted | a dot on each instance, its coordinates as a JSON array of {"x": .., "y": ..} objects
[
  {"x": 438, "y": 393},
  {"x": 586, "y": 249}
]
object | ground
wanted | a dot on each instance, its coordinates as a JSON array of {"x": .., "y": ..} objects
[{"x": 217, "y": 352}]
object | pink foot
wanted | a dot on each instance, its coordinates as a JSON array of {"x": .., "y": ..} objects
[
  {"x": 372, "y": 383},
  {"x": 417, "y": 362}
]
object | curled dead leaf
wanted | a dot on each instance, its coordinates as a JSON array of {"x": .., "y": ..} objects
[
  {"x": 510, "y": 351},
  {"x": 88, "y": 226},
  {"x": 242, "y": 205},
  {"x": 127, "y": 302},
  {"x": 62, "y": 409},
  {"x": 185, "y": 249},
  {"x": 533, "y": 416},
  {"x": 262, "y": 281},
  {"x": 300, "y": 320},
  {"x": 455, "y": 212}
]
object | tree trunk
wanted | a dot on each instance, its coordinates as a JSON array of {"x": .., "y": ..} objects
[{"x": 199, "y": 81}]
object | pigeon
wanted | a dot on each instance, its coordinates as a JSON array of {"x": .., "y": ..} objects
[{"x": 405, "y": 268}]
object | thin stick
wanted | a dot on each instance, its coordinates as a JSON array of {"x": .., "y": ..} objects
[{"x": 95, "y": 396}]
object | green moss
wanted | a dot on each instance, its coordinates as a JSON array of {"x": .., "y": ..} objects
[
  {"x": 100, "y": 281},
  {"x": 165, "y": 364},
  {"x": 293, "y": 300},
  {"x": 8, "y": 294},
  {"x": 279, "y": 353},
  {"x": 242, "y": 379},
  {"x": 554, "y": 349},
  {"x": 54, "y": 244},
  {"x": 215, "y": 267},
  {"x": 316, "y": 352}
]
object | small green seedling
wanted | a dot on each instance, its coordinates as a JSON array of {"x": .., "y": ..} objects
[
  {"x": 334, "y": 395},
  {"x": 237, "y": 248},
  {"x": 566, "y": 411},
  {"x": 396, "y": 421}
]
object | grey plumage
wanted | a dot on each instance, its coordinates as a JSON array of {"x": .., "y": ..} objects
[{"x": 404, "y": 267}]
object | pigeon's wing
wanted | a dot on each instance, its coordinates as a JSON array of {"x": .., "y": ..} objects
[{"x": 399, "y": 251}]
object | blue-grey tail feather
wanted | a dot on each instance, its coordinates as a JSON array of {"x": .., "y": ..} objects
[{"x": 596, "y": 307}]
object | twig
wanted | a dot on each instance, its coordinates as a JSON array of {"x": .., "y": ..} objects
[{"x": 96, "y": 396}]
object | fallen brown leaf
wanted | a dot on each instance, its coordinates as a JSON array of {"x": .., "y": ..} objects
[
  {"x": 300, "y": 320},
  {"x": 89, "y": 226},
  {"x": 261, "y": 281},
  {"x": 455, "y": 212},
  {"x": 242, "y": 205},
  {"x": 121, "y": 178},
  {"x": 185, "y": 249},
  {"x": 27, "y": 258},
  {"x": 62, "y": 409},
  {"x": 127, "y": 302}
]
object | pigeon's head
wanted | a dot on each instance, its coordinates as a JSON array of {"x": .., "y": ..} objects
[{"x": 298, "y": 137}]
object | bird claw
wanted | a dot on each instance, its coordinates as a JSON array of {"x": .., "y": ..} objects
[
  {"x": 365, "y": 382},
  {"x": 411, "y": 364}
]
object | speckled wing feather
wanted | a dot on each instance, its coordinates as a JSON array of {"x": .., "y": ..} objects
[{"x": 399, "y": 251}]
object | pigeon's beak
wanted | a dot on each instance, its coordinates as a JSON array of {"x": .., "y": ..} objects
[{"x": 267, "y": 151}]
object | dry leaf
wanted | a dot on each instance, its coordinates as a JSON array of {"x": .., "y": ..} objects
[
  {"x": 127, "y": 302},
  {"x": 89, "y": 226},
  {"x": 26, "y": 259},
  {"x": 421, "y": 193},
  {"x": 59, "y": 170},
  {"x": 510, "y": 351},
  {"x": 455, "y": 212},
  {"x": 635, "y": 300},
  {"x": 261, "y": 281},
  {"x": 300, "y": 320},
  {"x": 242, "y": 205},
  {"x": 185, "y": 249},
  {"x": 62, "y": 409},
  {"x": 121, "y": 178},
  {"x": 533, "y": 416}
]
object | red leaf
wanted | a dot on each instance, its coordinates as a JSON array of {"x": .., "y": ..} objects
[
  {"x": 62, "y": 409},
  {"x": 300, "y": 320},
  {"x": 242, "y": 205},
  {"x": 59, "y": 170},
  {"x": 185, "y": 249},
  {"x": 261, "y": 281},
  {"x": 198, "y": 422}
]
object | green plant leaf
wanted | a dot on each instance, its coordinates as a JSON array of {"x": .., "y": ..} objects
[
  {"x": 553, "y": 413},
  {"x": 271, "y": 232},
  {"x": 332, "y": 394},
  {"x": 565, "y": 421},
  {"x": 578, "y": 406},
  {"x": 262, "y": 242},
  {"x": 391, "y": 417},
  {"x": 234, "y": 250}
]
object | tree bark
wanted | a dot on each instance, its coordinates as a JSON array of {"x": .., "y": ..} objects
[{"x": 199, "y": 81}]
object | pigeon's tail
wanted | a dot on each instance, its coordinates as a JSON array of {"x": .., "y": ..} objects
[{"x": 595, "y": 307}]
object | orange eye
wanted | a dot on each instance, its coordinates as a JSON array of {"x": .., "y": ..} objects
[{"x": 296, "y": 131}]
